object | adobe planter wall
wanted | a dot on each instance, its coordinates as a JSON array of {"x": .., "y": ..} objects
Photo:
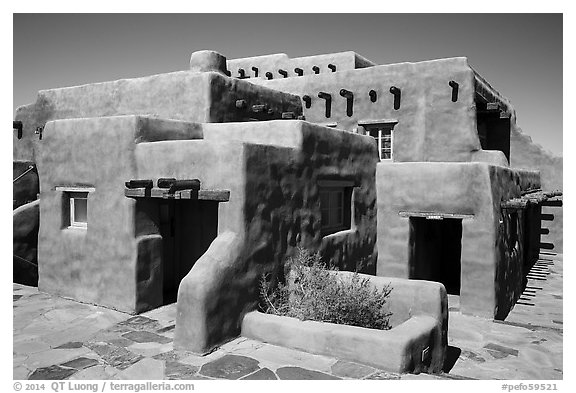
[{"x": 416, "y": 343}]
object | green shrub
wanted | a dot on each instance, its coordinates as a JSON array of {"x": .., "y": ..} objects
[{"x": 314, "y": 292}]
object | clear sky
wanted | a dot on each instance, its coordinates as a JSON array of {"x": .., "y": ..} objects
[{"x": 519, "y": 54}]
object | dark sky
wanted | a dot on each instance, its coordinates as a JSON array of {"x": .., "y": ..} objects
[{"x": 519, "y": 54}]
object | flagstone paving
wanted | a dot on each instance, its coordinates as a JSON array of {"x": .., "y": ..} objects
[
  {"x": 527, "y": 345},
  {"x": 56, "y": 338}
]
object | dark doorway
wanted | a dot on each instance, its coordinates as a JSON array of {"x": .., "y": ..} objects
[
  {"x": 435, "y": 251},
  {"x": 187, "y": 228}
]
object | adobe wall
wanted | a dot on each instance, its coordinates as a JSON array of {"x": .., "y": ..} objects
[
  {"x": 430, "y": 126},
  {"x": 529, "y": 155},
  {"x": 225, "y": 91},
  {"x": 218, "y": 164},
  {"x": 456, "y": 188},
  {"x": 284, "y": 205},
  {"x": 511, "y": 248},
  {"x": 178, "y": 95},
  {"x": 272, "y": 63},
  {"x": 96, "y": 265},
  {"x": 273, "y": 207},
  {"x": 185, "y": 95}
]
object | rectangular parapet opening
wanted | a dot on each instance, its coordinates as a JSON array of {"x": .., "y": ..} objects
[
  {"x": 163, "y": 193},
  {"x": 434, "y": 215}
]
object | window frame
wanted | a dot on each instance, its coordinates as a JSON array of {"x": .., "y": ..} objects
[
  {"x": 342, "y": 205},
  {"x": 337, "y": 224},
  {"x": 73, "y": 198},
  {"x": 379, "y": 128},
  {"x": 70, "y": 197}
]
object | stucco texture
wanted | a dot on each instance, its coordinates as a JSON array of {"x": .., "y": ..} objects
[
  {"x": 273, "y": 63},
  {"x": 97, "y": 264},
  {"x": 411, "y": 298},
  {"x": 273, "y": 207},
  {"x": 470, "y": 189},
  {"x": 419, "y": 320},
  {"x": 529, "y": 155},
  {"x": 430, "y": 126},
  {"x": 184, "y": 95}
]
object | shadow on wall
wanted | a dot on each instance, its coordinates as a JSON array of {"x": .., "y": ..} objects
[
  {"x": 283, "y": 210},
  {"x": 452, "y": 356},
  {"x": 25, "y": 243},
  {"x": 25, "y": 186},
  {"x": 173, "y": 235},
  {"x": 527, "y": 154},
  {"x": 25, "y": 222},
  {"x": 277, "y": 217},
  {"x": 510, "y": 277},
  {"x": 351, "y": 254}
]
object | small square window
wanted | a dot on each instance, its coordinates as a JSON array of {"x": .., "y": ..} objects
[
  {"x": 78, "y": 209},
  {"x": 74, "y": 206}
]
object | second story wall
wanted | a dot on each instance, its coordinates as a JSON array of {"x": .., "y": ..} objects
[
  {"x": 203, "y": 97},
  {"x": 429, "y": 124},
  {"x": 276, "y": 64}
]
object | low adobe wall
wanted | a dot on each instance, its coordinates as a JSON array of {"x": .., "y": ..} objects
[{"x": 416, "y": 343}]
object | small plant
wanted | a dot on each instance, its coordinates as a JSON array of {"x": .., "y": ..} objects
[{"x": 314, "y": 292}]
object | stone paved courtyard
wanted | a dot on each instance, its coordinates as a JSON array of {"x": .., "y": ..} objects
[{"x": 56, "y": 338}]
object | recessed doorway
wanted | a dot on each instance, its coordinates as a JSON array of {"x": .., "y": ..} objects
[
  {"x": 435, "y": 251},
  {"x": 187, "y": 227}
]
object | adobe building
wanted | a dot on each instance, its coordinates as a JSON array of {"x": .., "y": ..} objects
[{"x": 189, "y": 185}]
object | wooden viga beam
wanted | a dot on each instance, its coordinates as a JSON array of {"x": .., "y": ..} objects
[{"x": 516, "y": 203}]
